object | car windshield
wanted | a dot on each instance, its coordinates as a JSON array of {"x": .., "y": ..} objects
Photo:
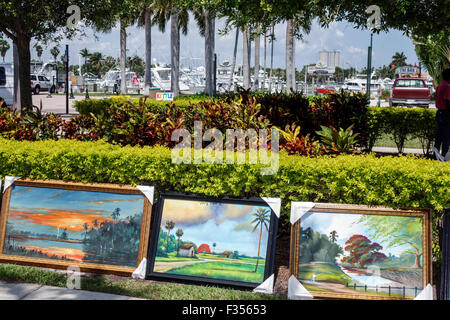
[
  {"x": 410, "y": 83},
  {"x": 33, "y": 77}
]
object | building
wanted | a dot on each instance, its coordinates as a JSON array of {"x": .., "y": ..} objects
[{"x": 186, "y": 250}]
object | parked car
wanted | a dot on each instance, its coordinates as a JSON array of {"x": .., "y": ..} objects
[
  {"x": 410, "y": 92},
  {"x": 41, "y": 83},
  {"x": 7, "y": 83}
]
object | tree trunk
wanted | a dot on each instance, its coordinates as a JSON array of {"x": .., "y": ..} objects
[
  {"x": 210, "y": 30},
  {"x": 23, "y": 51},
  {"x": 245, "y": 59},
  {"x": 148, "y": 51},
  {"x": 257, "y": 60},
  {"x": 175, "y": 54},
  {"x": 290, "y": 57},
  {"x": 123, "y": 57},
  {"x": 17, "y": 100},
  {"x": 417, "y": 261},
  {"x": 265, "y": 61},
  {"x": 259, "y": 246},
  {"x": 271, "y": 58},
  {"x": 233, "y": 65}
]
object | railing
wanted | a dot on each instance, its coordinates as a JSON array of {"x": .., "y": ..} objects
[{"x": 383, "y": 288}]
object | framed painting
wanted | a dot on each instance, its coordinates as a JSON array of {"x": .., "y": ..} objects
[
  {"x": 216, "y": 241},
  {"x": 360, "y": 252},
  {"x": 445, "y": 258},
  {"x": 97, "y": 227}
]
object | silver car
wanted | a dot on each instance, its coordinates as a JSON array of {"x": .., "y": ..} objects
[{"x": 41, "y": 83}]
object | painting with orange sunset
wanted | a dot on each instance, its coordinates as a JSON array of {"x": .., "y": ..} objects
[{"x": 74, "y": 225}]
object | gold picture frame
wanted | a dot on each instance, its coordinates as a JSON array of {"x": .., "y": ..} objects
[
  {"x": 323, "y": 283},
  {"x": 12, "y": 247}
]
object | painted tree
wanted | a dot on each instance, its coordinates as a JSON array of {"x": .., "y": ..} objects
[
  {"x": 397, "y": 231},
  {"x": 362, "y": 251},
  {"x": 333, "y": 236},
  {"x": 169, "y": 226},
  {"x": 179, "y": 234},
  {"x": 262, "y": 218},
  {"x": 214, "y": 246}
]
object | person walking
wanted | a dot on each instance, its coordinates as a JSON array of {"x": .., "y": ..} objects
[{"x": 442, "y": 142}]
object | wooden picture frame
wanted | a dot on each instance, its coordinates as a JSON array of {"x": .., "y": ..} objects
[
  {"x": 444, "y": 293},
  {"x": 84, "y": 253},
  {"x": 235, "y": 265},
  {"x": 356, "y": 273}
]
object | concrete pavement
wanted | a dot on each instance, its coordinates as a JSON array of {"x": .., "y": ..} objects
[{"x": 28, "y": 291}]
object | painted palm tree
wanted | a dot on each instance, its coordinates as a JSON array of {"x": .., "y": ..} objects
[
  {"x": 39, "y": 50},
  {"x": 169, "y": 226},
  {"x": 333, "y": 236},
  {"x": 262, "y": 218},
  {"x": 4, "y": 47},
  {"x": 115, "y": 215},
  {"x": 214, "y": 246},
  {"x": 86, "y": 227},
  {"x": 179, "y": 234}
]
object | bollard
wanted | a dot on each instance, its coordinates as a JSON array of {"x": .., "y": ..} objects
[
  {"x": 71, "y": 93},
  {"x": 49, "y": 95},
  {"x": 87, "y": 93},
  {"x": 104, "y": 93}
]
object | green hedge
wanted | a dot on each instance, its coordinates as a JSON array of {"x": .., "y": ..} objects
[
  {"x": 354, "y": 179},
  {"x": 98, "y": 106},
  {"x": 402, "y": 123}
]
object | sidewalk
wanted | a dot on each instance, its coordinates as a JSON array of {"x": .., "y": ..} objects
[{"x": 27, "y": 291}]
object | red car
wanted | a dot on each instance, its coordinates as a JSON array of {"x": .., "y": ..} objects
[{"x": 410, "y": 92}]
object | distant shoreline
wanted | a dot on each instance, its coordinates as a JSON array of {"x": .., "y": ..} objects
[{"x": 20, "y": 236}]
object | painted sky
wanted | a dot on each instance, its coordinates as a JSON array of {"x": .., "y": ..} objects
[
  {"x": 340, "y": 36},
  {"x": 346, "y": 225},
  {"x": 228, "y": 225},
  {"x": 45, "y": 210}
]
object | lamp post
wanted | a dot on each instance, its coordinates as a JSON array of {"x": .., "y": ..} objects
[
  {"x": 369, "y": 68},
  {"x": 66, "y": 60}
]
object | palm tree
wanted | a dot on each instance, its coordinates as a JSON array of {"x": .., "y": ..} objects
[
  {"x": 55, "y": 52},
  {"x": 333, "y": 236},
  {"x": 257, "y": 59},
  {"x": 145, "y": 19},
  {"x": 4, "y": 47},
  {"x": 290, "y": 56},
  {"x": 84, "y": 53},
  {"x": 272, "y": 39},
  {"x": 39, "y": 50},
  {"x": 233, "y": 64},
  {"x": 246, "y": 58},
  {"x": 96, "y": 63},
  {"x": 398, "y": 59},
  {"x": 262, "y": 217},
  {"x": 169, "y": 226},
  {"x": 179, "y": 20},
  {"x": 179, "y": 234}
]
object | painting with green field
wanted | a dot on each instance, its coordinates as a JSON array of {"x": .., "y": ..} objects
[
  {"x": 363, "y": 255},
  {"x": 214, "y": 241}
]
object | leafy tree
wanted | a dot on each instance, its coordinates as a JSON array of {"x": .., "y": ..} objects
[
  {"x": 397, "y": 231},
  {"x": 362, "y": 251},
  {"x": 315, "y": 246},
  {"x": 4, "y": 47},
  {"x": 262, "y": 217},
  {"x": 21, "y": 21}
]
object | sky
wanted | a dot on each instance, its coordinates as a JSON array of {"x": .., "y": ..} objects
[
  {"x": 227, "y": 225},
  {"x": 45, "y": 210},
  {"x": 346, "y": 225},
  {"x": 339, "y": 36}
]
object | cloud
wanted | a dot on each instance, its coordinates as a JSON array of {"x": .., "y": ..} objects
[
  {"x": 339, "y": 33},
  {"x": 186, "y": 212},
  {"x": 243, "y": 227}
]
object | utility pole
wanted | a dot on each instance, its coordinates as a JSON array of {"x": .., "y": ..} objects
[{"x": 67, "y": 78}]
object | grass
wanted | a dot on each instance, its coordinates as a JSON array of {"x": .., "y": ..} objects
[
  {"x": 386, "y": 140},
  {"x": 223, "y": 270},
  {"x": 129, "y": 287},
  {"x": 324, "y": 273}
]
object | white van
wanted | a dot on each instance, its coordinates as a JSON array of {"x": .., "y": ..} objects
[{"x": 7, "y": 82}]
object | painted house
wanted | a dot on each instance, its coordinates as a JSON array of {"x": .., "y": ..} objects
[{"x": 186, "y": 250}]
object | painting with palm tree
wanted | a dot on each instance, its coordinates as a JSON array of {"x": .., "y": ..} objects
[
  {"x": 215, "y": 240},
  {"x": 76, "y": 226}
]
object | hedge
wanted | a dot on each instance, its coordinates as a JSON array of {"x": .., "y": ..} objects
[{"x": 404, "y": 181}]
